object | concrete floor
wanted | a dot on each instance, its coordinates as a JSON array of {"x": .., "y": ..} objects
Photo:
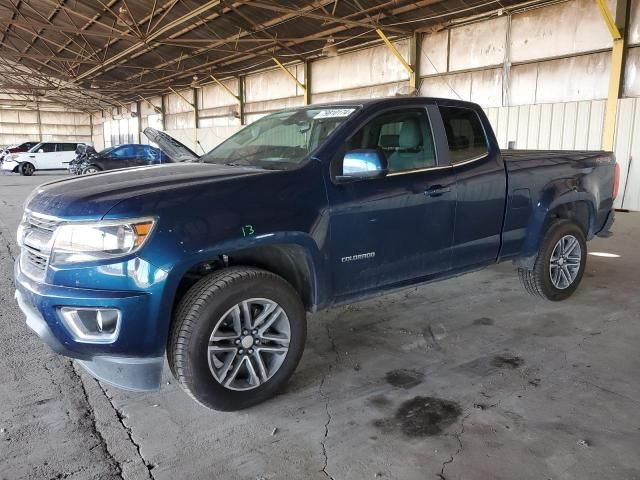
[{"x": 464, "y": 379}]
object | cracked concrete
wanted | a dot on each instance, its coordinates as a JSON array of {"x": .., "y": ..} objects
[{"x": 568, "y": 410}]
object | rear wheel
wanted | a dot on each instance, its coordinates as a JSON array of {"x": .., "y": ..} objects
[
  {"x": 560, "y": 264},
  {"x": 237, "y": 337},
  {"x": 27, "y": 169}
]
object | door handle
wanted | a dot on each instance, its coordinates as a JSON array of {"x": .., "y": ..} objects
[{"x": 437, "y": 190}]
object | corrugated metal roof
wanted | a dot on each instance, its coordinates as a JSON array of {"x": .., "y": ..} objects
[{"x": 96, "y": 54}]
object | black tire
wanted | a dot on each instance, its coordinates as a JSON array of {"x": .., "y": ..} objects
[
  {"x": 93, "y": 168},
  {"x": 195, "y": 318},
  {"x": 27, "y": 169},
  {"x": 537, "y": 281}
]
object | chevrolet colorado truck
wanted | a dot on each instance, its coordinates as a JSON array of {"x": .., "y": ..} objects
[{"x": 213, "y": 261}]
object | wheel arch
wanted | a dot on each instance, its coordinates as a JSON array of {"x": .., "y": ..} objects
[
  {"x": 577, "y": 207},
  {"x": 296, "y": 263}
]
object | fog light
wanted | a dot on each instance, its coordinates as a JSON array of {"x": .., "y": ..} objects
[{"x": 92, "y": 325}]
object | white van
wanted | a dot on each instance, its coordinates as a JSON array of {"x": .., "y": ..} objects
[{"x": 44, "y": 156}]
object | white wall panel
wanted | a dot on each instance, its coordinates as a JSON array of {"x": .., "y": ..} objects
[
  {"x": 478, "y": 44},
  {"x": 177, "y": 104},
  {"x": 563, "y": 29},
  {"x": 434, "y": 53},
  {"x": 273, "y": 84},
  {"x": 213, "y": 95},
  {"x": 630, "y": 193},
  {"x": 456, "y": 86},
  {"x": 631, "y": 87},
  {"x": 623, "y": 145},
  {"x": 375, "y": 91},
  {"x": 634, "y": 22},
  {"x": 573, "y": 79},
  {"x": 486, "y": 87},
  {"x": 180, "y": 120},
  {"x": 366, "y": 67}
]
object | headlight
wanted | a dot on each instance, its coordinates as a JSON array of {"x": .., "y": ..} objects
[{"x": 85, "y": 242}]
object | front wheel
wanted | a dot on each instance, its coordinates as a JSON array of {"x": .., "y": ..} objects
[
  {"x": 560, "y": 265},
  {"x": 91, "y": 169},
  {"x": 27, "y": 169},
  {"x": 237, "y": 336}
]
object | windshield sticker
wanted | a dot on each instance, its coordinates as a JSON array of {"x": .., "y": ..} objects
[{"x": 334, "y": 113}]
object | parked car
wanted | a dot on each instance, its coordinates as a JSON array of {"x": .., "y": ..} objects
[
  {"x": 214, "y": 261},
  {"x": 23, "y": 147},
  {"x": 43, "y": 156},
  {"x": 123, "y": 156},
  {"x": 83, "y": 152}
]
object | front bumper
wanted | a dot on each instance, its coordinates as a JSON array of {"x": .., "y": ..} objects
[
  {"x": 8, "y": 166},
  {"x": 133, "y": 361}
]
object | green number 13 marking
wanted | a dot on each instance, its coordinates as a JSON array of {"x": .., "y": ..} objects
[{"x": 248, "y": 230}]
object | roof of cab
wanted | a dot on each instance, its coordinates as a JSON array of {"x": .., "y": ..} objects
[{"x": 386, "y": 100}]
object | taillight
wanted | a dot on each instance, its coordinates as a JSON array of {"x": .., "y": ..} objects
[{"x": 616, "y": 180}]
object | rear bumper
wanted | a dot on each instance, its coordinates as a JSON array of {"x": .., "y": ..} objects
[{"x": 605, "y": 231}]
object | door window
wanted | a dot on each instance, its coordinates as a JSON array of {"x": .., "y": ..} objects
[
  {"x": 67, "y": 147},
  {"x": 47, "y": 147},
  {"x": 122, "y": 153},
  {"x": 404, "y": 136},
  {"x": 465, "y": 134}
]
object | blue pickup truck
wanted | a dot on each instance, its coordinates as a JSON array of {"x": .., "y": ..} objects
[{"x": 214, "y": 260}]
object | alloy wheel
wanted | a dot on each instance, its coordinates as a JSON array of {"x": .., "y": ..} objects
[
  {"x": 565, "y": 262},
  {"x": 249, "y": 344}
]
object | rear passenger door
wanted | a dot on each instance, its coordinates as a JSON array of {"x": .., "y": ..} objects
[
  {"x": 66, "y": 152},
  {"x": 481, "y": 184}
]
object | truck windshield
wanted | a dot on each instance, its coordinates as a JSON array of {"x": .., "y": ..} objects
[{"x": 280, "y": 141}]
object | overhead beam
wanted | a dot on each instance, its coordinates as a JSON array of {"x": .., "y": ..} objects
[
  {"x": 62, "y": 28},
  {"x": 319, "y": 16},
  {"x": 152, "y": 36}
]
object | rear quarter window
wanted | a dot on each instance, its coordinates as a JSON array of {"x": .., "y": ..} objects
[{"x": 465, "y": 134}]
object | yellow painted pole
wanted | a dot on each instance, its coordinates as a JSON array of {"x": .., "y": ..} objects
[
  {"x": 285, "y": 70},
  {"x": 617, "y": 57},
  {"x": 395, "y": 52},
  {"x": 182, "y": 97},
  {"x": 225, "y": 88},
  {"x": 611, "y": 113}
]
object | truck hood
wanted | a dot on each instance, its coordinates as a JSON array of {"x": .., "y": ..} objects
[{"x": 92, "y": 196}]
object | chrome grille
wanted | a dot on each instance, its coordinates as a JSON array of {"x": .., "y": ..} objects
[{"x": 37, "y": 234}]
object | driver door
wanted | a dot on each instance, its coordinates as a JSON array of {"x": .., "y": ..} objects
[{"x": 398, "y": 228}]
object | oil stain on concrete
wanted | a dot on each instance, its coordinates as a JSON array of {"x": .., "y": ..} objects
[
  {"x": 405, "y": 378},
  {"x": 507, "y": 361},
  {"x": 421, "y": 417},
  {"x": 489, "y": 365},
  {"x": 484, "y": 321}
]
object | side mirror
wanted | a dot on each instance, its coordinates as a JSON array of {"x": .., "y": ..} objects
[
  {"x": 363, "y": 164},
  {"x": 41, "y": 150}
]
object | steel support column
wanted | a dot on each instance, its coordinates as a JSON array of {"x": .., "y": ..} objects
[
  {"x": 307, "y": 83},
  {"x": 617, "y": 27},
  {"x": 163, "y": 113},
  {"x": 415, "y": 46},
  {"x": 241, "y": 99}
]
